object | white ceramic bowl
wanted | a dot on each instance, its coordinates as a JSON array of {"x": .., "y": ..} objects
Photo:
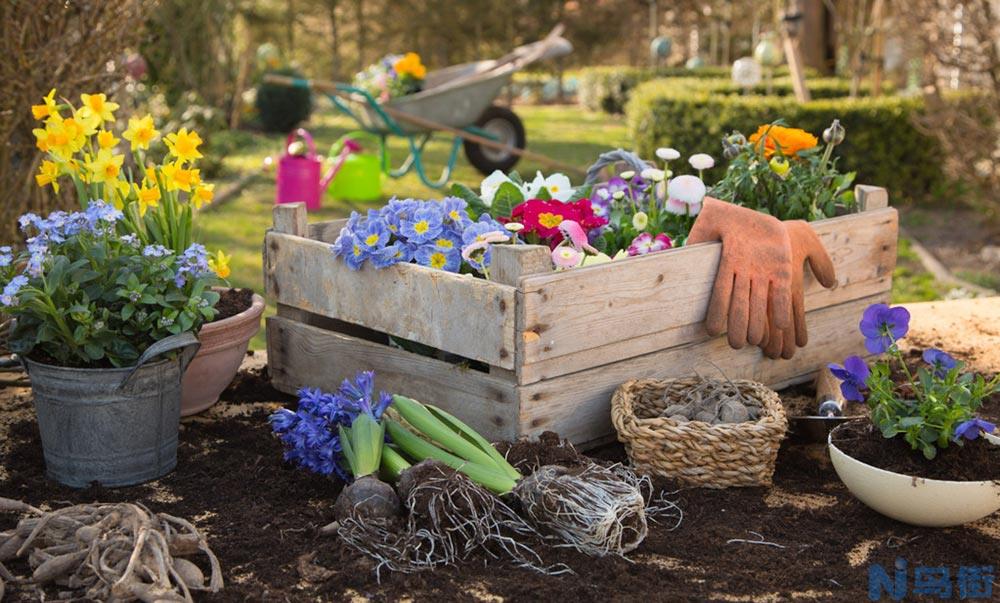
[{"x": 921, "y": 502}]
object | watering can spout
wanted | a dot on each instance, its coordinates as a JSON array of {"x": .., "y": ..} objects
[{"x": 348, "y": 146}]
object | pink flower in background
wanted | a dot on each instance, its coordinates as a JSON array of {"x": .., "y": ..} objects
[
  {"x": 577, "y": 236},
  {"x": 684, "y": 195},
  {"x": 647, "y": 243},
  {"x": 566, "y": 257}
]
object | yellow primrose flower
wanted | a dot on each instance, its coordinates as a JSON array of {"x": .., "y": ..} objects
[
  {"x": 106, "y": 139},
  {"x": 149, "y": 196},
  {"x": 99, "y": 106},
  {"x": 219, "y": 263},
  {"x": 44, "y": 110},
  {"x": 140, "y": 132},
  {"x": 410, "y": 65},
  {"x": 48, "y": 173},
  {"x": 202, "y": 195},
  {"x": 184, "y": 145},
  {"x": 105, "y": 167}
]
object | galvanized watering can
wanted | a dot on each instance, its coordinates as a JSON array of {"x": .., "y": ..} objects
[{"x": 116, "y": 427}]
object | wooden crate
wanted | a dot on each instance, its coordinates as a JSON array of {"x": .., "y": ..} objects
[{"x": 544, "y": 350}]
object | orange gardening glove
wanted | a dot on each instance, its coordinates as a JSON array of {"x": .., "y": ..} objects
[
  {"x": 806, "y": 246},
  {"x": 755, "y": 272}
]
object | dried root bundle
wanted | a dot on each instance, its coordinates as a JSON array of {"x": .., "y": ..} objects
[
  {"x": 449, "y": 518},
  {"x": 119, "y": 552}
]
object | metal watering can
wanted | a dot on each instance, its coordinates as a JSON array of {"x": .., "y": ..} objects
[{"x": 299, "y": 175}]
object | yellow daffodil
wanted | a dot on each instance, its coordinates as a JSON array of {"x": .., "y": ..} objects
[
  {"x": 203, "y": 194},
  {"x": 48, "y": 173},
  {"x": 177, "y": 177},
  {"x": 106, "y": 139},
  {"x": 105, "y": 167},
  {"x": 86, "y": 121},
  {"x": 219, "y": 263},
  {"x": 99, "y": 106},
  {"x": 184, "y": 145},
  {"x": 123, "y": 188},
  {"x": 48, "y": 108},
  {"x": 149, "y": 196},
  {"x": 61, "y": 137},
  {"x": 140, "y": 132},
  {"x": 151, "y": 173},
  {"x": 410, "y": 65}
]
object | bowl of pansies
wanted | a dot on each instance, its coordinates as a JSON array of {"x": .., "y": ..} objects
[
  {"x": 154, "y": 181},
  {"x": 104, "y": 325},
  {"x": 921, "y": 456}
]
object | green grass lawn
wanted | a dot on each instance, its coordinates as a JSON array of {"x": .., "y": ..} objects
[{"x": 564, "y": 133}]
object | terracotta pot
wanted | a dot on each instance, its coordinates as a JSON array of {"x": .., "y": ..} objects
[
  {"x": 917, "y": 501},
  {"x": 223, "y": 346}
]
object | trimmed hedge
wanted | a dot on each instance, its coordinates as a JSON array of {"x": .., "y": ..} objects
[
  {"x": 607, "y": 89},
  {"x": 882, "y": 145}
]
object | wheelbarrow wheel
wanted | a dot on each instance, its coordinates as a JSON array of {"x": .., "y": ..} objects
[{"x": 506, "y": 127}]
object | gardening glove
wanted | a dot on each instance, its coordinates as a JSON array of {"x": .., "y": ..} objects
[
  {"x": 806, "y": 247},
  {"x": 754, "y": 277}
]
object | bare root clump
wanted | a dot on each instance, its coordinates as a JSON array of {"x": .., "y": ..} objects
[
  {"x": 449, "y": 518},
  {"x": 120, "y": 552},
  {"x": 593, "y": 509}
]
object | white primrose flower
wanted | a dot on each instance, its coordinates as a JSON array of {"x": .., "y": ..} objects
[
  {"x": 488, "y": 188},
  {"x": 668, "y": 154},
  {"x": 701, "y": 161},
  {"x": 558, "y": 186}
]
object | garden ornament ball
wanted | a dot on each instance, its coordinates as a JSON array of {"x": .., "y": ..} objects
[
  {"x": 754, "y": 274},
  {"x": 767, "y": 52},
  {"x": 806, "y": 247},
  {"x": 746, "y": 72},
  {"x": 660, "y": 47}
]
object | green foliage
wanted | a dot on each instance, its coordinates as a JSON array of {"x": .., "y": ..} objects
[
  {"x": 805, "y": 186},
  {"x": 281, "y": 108},
  {"x": 882, "y": 146},
  {"x": 608, "y": 88}
]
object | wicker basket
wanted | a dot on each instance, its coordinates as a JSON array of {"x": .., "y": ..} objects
[{"x": 695, "y": 452}]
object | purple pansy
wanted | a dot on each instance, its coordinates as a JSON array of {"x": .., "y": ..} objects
[
  {"x": 970, "y": 429},
  {"x": 852, "y": 377},
  {"x": 941, "y": 361},
  {"x": 882, "y": 326}
]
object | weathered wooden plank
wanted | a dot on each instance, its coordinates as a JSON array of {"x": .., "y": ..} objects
[
  {"x": 509, "y": 263},
  {"x": 302, "y": 355},
  {"x": 326, "y": 231},
  {"x": 577, "y": 406},
  {"x": 871, "y": 197},
  {"x": 588, "y": 316},
  {"x": 470, "y": 317},
  {"x": 290, "y": 218}
]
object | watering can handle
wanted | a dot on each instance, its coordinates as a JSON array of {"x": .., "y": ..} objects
[
  {"x": 344, "y": 146},
  {"x": 186, "y": 342},
  {"x": 611, "y": 157},
  {"x": 305, "y": 135}
]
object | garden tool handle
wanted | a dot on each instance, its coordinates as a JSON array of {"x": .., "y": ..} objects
[
  {"x": 186, "y": 342},
  {"x": 828, "y": 392},
  {"x": 610, "y": 158}
]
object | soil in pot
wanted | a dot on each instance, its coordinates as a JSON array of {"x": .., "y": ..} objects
[
  {"x": 232, "y": 302},
  {"x": 976, "y": 460}
]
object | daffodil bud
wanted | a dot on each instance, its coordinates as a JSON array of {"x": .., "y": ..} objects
[{"x": 835, "y": 133}]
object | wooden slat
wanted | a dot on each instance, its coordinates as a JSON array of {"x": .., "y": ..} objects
[
  {"x": 290, "y": 218},
  {"x": 326, "y": 231},
  {"x": 460, "y": 314},
  {"x": 301, "y": 355},
  {"x": 590, "y": 316},
  {"x": 577, "y": 406}
]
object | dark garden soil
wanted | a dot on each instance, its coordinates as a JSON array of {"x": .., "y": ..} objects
[
  {"x": 262, "y": 517},
  {"x": 232, "y": 302}
]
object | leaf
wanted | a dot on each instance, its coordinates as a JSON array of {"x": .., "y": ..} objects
[
  {"x": 515, "y": 177},
  {"x": 508, "y": 197},
  {"x": 543, "y": 194},
  {"x": 476, "y": 205}
]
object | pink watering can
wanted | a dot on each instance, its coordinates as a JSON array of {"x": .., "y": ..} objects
[{"x": 299, "y": 176}]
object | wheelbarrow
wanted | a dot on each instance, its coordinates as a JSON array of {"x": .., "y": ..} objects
[{"x": 457, "y": 100}]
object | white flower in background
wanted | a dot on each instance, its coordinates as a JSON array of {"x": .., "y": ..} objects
[
  {"x": 653, "y": 174},
  {"x": 668, "y": 154},
  {"x": 558, "y": 185},
  {"x": 640, "y": 221},
  {"x": 618, "y": 195},
  {"x": 514, "y": 226},
  {"x": 702, "y": 161},
  {"x": 488, "y": 188},
  {"x": 684, "y": 195},
  {"x": 627, "y": 175}
]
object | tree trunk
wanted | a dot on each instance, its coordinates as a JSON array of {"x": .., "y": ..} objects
[
  {"x": 331, "y": 7},
  {"x": 359, "y": 17}
]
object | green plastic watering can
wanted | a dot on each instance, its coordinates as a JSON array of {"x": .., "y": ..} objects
[{"x": 360, "y": 176}]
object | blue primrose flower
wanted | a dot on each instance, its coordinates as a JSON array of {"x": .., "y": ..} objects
[
  {"x": 941, "y": 361},
  {"x": 350, "y": 248},
  {"x": 392, "y": 254},
  {"x": 373, "y": 234},
  {"x": 454, "y": 209},
  {"x": 852, "y": 377},
  {"x": 970, "y": 429},
  {"x": 424, "y": 225},
  {"x": 433, "y": 257},
  {"x": 882, "y": 326}
]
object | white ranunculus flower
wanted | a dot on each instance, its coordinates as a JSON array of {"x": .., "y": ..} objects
[
  {"x": 653, "y": 174},
  {"x": 489, "y": 186},
  {"x": 667, "y": 154},
  {"x": 701, "y": 161},
  {"x": 686, "y": 189}
]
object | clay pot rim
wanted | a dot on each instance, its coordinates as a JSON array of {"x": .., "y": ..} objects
[{"x": 253, "y": 312}]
